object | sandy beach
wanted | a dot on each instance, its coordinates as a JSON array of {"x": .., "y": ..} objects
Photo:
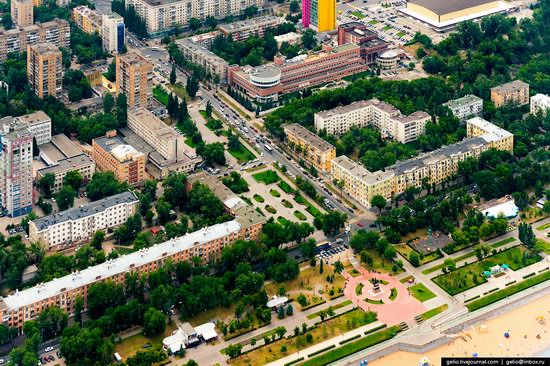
[{"x": 527, "y": 338}]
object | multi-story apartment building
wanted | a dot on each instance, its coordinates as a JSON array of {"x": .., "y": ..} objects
[
  {"x": 40, "y": 125},
  {"x": 44, "y": 69},
  {"x": 162, "y": 15},
  {"x": 81, "y": 163},
  {"x": 358, "y": 33},
  {"x": 539, "y": 102},
  {"x": 201, "y": 55},
  {"x": 516, "y": 92},
  {"x": 309, "y": 147},
  {"x": 87, "y": 19},
  {"x": 56, "y": 32},
  {"x": 134, "y": 78},
  {"x": 112, "y": 154},
  {"x": 433, "y": 167},
  {"x": 241, "y": 30},
  {"x": 27, "y": 304},
  {"x": 75, "y": 225},
  {"x": 466, "y": 107},
  {"x": 22, "y": 13},
  {"x": 267, "y": 82},
  {"x": 319, "y": 14},
  {"x": 15, "y": 167},
  {"x": 113, "y": 33},
  {"x": 382, "y": 115}
]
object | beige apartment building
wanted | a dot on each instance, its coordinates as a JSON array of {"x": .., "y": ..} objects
[
  {"x": 201, "y": 55},
  {"x": 112, "y": 154},
  {"x": 433, "y": 167},
  {"x": 22, "y": 13},
  {"x": 87, "y": 19},
  {"x": 516, "y": 92},
  {"x": 134, "y": 78},
  {"x": 241, "y": 30},
  {"x": 308, "y": 146},
  {"x": 44, "y": 69},
  {"x": 373, "y": 112},
  {"x": 56, "y": 32},
  {"x": 80, "y": 163}
]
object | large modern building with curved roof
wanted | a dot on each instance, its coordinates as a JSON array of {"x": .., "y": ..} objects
[{"x": 447, "y": 14}]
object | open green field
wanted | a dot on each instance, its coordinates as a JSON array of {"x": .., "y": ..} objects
[
  {"x": 266, "y": 177},
  {"x": 405, "y": 250},
  {"x": 508, "y": 291},
  {"x": 352, "y": 347},
  {"x": 421, "y": 292},
  {"x": 285, "y": 187},
  {"x": 543, "y": 227},
  {"x": 471, "y": 275},
  {"x": 243, "y": 155},
  {"x": 160, "y": 95},
  {"x": 544, "y": 245},
  {"x": 179, "y": 91},
  {"x": 433, "y": 312}
]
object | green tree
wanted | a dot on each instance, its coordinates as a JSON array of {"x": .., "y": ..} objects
[
  {"x": 7, "y": 22},
  {"x": 73, "y": 179},
  {"x": 97, "y": 239},
  {"x": 103, "y": 184},
  {"x": 309, "y": 39},
  {"x": 65, "y": 198},
  {"x": 192, "y": 86},
  {"x": 526, "y": 235},
  {"x": 52, "y": 321},
  {"x": 208, "y": 109},
  {"x": 294, "y": 6},
  {"x": 173, "y": 76},
  {"x": 78, "y": 308},
  {"x": 47, "y": 183},
  {"x": 163, "y": 209},
  {"x": 108, "y": 102},
  {"x": 194, "y": 24},
  {"x": 414, "y": 259},
  {"x": 154, "y": 322},
  {"x": 379, "y": 202},
  {"x": 121, "y": 110}
]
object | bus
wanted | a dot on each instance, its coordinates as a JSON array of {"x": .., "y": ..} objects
[
  {"x": 322, "y": 246},
  {"x": 268, "y": 148}
]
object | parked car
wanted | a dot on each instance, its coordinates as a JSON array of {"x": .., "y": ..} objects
[{"x": 48, "y": 349}]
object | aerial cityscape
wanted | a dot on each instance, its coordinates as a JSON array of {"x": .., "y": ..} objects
[{"x": 274, "y": 182}]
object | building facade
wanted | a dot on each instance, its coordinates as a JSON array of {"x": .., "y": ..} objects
[
  {"x": 466, "y": 107},
  {"x": 162, "y": 15},
  {"x": 358, "y": 33},
  {"x": 27, "y": 304},
  {"x": 80, "y": 163},
  {"x": 539, "y": 102},
  {"x": 241, "y": 30},
  {"x": 267, "y": 82},
  {"x": 516, "y": 92},
  {"x": 134, "y": 78},
  {"x": 319, "y": 15},
  {"x": 112, "y": 154},
  {"x": 22, "y": 13},
  {"x": 199, "y": 53},
  {"x": 15, "y": 167},
  {"x": 113, "y": 33},
  {"x": 432, "y": 168},
  {"x": 40, "y": 125},
  {"x": 87, "y": 19},
  {"x": 44, "y": 69},
  {"x": 310, "y": 147},
  {"x": 56, "y": 32},
  {"x": 373, "y": 112}
]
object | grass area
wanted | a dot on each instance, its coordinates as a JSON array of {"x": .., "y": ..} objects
[
  {"x": 286, "y": 203},
  {"x": 314, "y": 211},
  {"x": 286, "y": 187},
  {"x": 243, "y": 155},
  {"x": 544, "y": 245},
  {"x": 406, "y": 279},
  {"x": 359, "y": 75},
  {"x": 275, "y": 193},
  {"x": 353, "y": 347},
  {"x": 270, "y": 209},
  {"x": 335, "y": 307},
  {"x": 374, "y": 302},
  {"x": 457, "y": 259},
  {"x": 373, "y": 22},
  {"x": 212, "y": 123},
  {"x": 189, "y": 142},
  {"x": 323, "y": 331},
  {"x": 421, "y": 292},
  {"x": 359, "y": 289},
  {"x": 259, "y": 198},
  {"x": 300, "y": 216},
  {"x": 502, "y": 242},
  {"x": 354, "y": 273},
  {"x": 379, "y": 263},
  {"x": 180, "y": 91},
  {"x": 386, "y": 28},
  {"x": 266, "y": 177},
  {"x": 471, "y": 275},
  {"x": 543, "y": 227},
  {"x": 433, "y": 312},
  {"x": 508, "y": 291},
  {"x": 400, "y": 34},
  {"x": 160, "y": 95},
  {"x": 129, "y": 346},
  {"x": 405, "y": 250},
  {"x": 358, "y": 14},
  {"x": 393, "y": 294}
]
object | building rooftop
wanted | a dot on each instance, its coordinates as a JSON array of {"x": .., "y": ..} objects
[
  {"x": 86, "y": 210},
  {"x": 45, "y": 48},
  {"x": 510, "y": 87},
  {"x": 449, "y": 6},
  {"x": 11, "y": 128},
  {"x": 133, "y": 58},
  {"x": 360, "y": 172},
  {"x": 492, "y": 132},
  {"x": 260, "y": 21},
  {"x": 38, "y": 116},
  {"x": 71, "y": 163},
  {"x": 311, "y": 138},
  {"x": 465, "y": 100},
  {"x": 116, "y": 146},
  {"x": 200, "y": 50},
  {"x": 60, "y": 147},
  {"x": 265, "y": 71},
  {"x": 120, "y": 265},
  {"x": 154, "y": 124}
]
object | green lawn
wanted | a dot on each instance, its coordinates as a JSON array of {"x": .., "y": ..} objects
[
  {"x": 400, "y": 34},
  {"x": 433, "y": 312},
  {"x": 270, "y": 209},
  {"x": 352, "y": 347},
  {"x": 373, "y": 22},
  {"x": 503, "y": 242},
  {"x": 359, "y": 289},
  {"x": 508, "y": 291},
  {"x": 405, "y": 250},
  {"x": 275, "y": 193},
  {"x": 285, "y": 187},
  {"x": 286, "y": 203},
  {"x": 314, "y": 211},
  {"x": 471, "y": 275},
  {"x": 421, "y": 292},
  {"x": 300, "y": 216},
  {"x": 543, "y": 227},
  {"x": 358, "y": 14},
  {"x": 189, "y": 142},
  {"x": 243, "y": 155},
  {"x": 545, "y": 246},
  {"x": 266, "y": 177},
  {"x": 179, "y": 91},
  {"x": 259, "y": 198},
  {"x": 386, "y": 28},
  {"x": 212, "y": 123},
  {"x": 457, "y": 259},
  {"x": 160, "y": 95},
  {"x": 393, "y": 294},
  {"x": 335, "y": 307}
]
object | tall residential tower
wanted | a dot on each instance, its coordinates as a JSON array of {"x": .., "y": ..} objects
[
  {"x": 44, "y": 69},
  {"x": 134, "y": 78},
  {"x": 319, "y": 14}
]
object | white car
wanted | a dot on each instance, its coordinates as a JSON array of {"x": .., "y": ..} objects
[
  {"x": 48, "y": 349},
  {"x": 2, "y": 361}
]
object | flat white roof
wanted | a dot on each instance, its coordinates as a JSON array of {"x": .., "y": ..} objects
[
  {"x": 276, "y": 301},
  {"x": 203, "y": 328},
  {"x": 507, "y": 209},
  {"x": 120, "y": 265}
]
